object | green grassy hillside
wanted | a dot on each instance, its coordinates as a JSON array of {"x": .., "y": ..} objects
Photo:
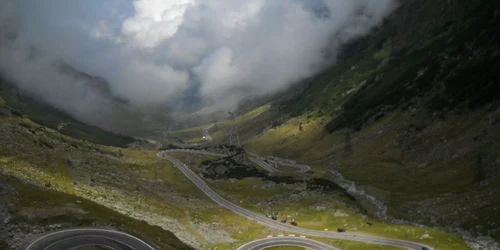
[
  {"x": 410, "y": 113},
  {"x": 46, "y": 115},
  {"x": 39, "y": 207}
]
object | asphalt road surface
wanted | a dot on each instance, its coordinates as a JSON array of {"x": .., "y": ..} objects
[
  {"x": 278, "y": 225},
  {"x": 206, "y": 134},
  {"x": 261, "y": 163},
  {"x": 301, "y": 168},
  {"x": 285, "y": 241},
  {"x": 76, "y": 238},
  {"x": 257, "y": 160}
]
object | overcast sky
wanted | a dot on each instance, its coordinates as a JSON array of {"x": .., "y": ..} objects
[{"x": 153, "y": 50}]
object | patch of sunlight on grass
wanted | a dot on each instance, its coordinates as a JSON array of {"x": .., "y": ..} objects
[{"x": 307, "y": 217}]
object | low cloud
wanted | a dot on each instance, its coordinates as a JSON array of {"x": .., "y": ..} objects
[{"x": 153, "y": 51}]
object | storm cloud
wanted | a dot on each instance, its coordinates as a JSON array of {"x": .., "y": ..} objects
[{"x": 153, "y": 51}]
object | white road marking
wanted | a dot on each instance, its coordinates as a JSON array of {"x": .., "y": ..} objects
[
  {"x": 87, "y": 229},
  {"x": 83, "y": 236},
  {"x": 90, "y": 245}
]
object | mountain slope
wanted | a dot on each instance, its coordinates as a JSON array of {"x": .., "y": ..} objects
[
  {"x": 28, "y": 210},
  {"x": 410, "y": 113},
  {"x": 50, "y": 181},
  {"x": 53, "y": 118},
  {"x": 54, "y": 181}
]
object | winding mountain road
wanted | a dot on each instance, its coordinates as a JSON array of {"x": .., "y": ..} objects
[
  {"x": 278, "y": 225},
  {"x": 206, "y": 135},
  {"x": 302, "y": 168},
  {"x": 69, "y": 239},
  {"x": 286, "y": 241},
  {"x": 77, "y": 238},
  {"x": 257, "y": 160},
  {"x": 262, "y": 162}
]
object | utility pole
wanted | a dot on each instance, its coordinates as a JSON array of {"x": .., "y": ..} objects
[
  {"x": 231, "y": 132},
  {"x": 234, "y": 130},
  {"x": 480, "y": 169},
  {"x": 348, "y": 148},
  {"x": 237, "y": 135}
]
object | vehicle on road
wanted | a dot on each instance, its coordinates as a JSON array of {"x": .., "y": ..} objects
[
  {"x": 273, "y": 216},
  {"x": 340, "y": 230},
  {"x": 284, "y": 219}
]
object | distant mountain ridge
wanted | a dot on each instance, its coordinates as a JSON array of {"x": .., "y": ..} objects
[{"x": 97, "y": 83}]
